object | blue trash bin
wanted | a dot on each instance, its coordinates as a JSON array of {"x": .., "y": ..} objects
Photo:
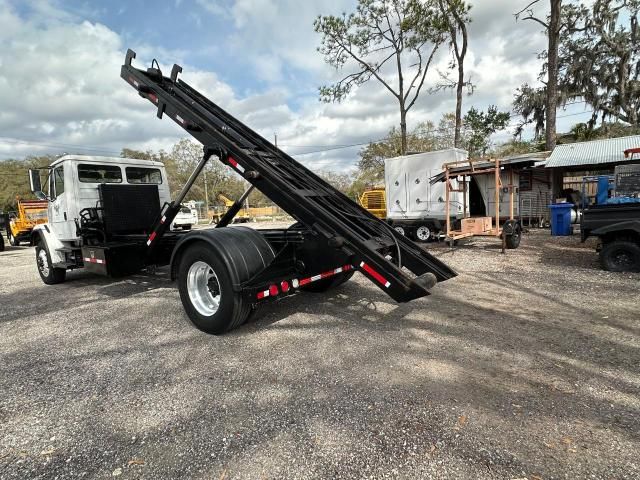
[{"x": 561, "y": 219}]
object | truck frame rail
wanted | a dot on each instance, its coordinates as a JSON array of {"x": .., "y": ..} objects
[{"x": 373, "y": 247}]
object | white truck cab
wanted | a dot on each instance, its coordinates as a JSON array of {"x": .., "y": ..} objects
[{"x": 72, "y": 185}]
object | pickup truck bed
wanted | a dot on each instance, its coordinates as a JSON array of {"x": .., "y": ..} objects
[{"x": 618, "y": 228}]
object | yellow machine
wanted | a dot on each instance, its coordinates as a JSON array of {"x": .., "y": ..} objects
[
  {"x": 245, "y": 214},
  {"x": 30, "y": 213},
  {"x": 375, "y": 201}
]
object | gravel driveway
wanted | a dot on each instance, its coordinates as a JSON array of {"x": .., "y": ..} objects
[{"x": 525, "y": 366}]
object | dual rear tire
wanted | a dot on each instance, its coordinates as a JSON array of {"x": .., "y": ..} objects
[{"x": 211, "y": 271}]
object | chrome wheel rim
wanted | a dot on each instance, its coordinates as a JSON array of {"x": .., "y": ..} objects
[
  {"x": 400, "y": 230},
  {"x": 43, "y": 263},
  {"x": 203, "y": 288},
  {"x": 423, "y": 233}
]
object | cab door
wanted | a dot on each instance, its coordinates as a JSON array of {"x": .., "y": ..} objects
[{"x": 62, "y": 225}]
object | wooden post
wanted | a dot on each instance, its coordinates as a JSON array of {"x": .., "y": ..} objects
[
  {"x": 511, "y": 194},
  {"x": 446, "y": 196},
  {"x": 464, "y": 196},
  {"x": 497, "y": 195}
]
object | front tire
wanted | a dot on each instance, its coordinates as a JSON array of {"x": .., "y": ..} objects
[
  {"x": 48, "y": 273},
  {"x": 620, "y": 256},
  {"x": 13, "y": 241}
]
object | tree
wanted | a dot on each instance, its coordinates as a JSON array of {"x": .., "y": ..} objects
[
  {"x": 340, "y": 181},
  {"x": 405, "y": 33},
  {"x": 600, "y": 62},
  {"x": 530, "y": 104},
  {"x": 423, "y": 138},
  {"x": 553, "y": 28},
  {"x": 481, "y": 126},
  {"x": 14, "y": 179},
  {"x": 456, "y": 17}
]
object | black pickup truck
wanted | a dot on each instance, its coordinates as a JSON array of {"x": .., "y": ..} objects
[{"x": 618, "y": 227}]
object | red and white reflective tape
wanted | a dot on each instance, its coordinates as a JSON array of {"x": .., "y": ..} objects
[
  {"x": 134, "y": 82},
  {"x": 153, "y": 97},
  {"x": 379, "y": 278},
  {"x": 296, "y": 283},
  {"x": 151, "y": 237},
  {"x": 180, "y": 119},
  {"x": 234, "y": 163},
  {"x": 163, "y": 219},
  {"x": 95, "y": 260}
]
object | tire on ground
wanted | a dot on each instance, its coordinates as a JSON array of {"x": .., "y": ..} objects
[
  {"x": 1, "y": 242},
  {"x": 13, "y": 241},
  {"x": 512, "y": 231},
  {"x": 235, "y": 255},
  {"x": 621, "y": 256},
  {"x": 48, "y": 273},
  {"x": 513, "y": 241},
  {"x": 423, "y": 233}
]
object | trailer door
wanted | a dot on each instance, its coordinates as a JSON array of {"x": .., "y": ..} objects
[
  {"x": 397, "y": 201},
  {"x": 419, "y": 189}
]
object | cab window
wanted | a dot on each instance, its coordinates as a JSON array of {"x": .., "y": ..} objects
[
  {"x": 58, "y": 181},
  {"x": 92, "y": 173},
  {"x": 143, "y": 175}
]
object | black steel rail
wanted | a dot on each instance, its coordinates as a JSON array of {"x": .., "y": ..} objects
[{"x": 293, "y": 187}]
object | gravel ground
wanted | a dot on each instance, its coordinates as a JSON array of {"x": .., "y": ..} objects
[{"x": 525, "y": 366}]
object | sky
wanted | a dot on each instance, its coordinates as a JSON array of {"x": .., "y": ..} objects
[{"x": 61, "y": 91}]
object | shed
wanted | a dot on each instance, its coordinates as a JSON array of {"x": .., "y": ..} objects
[
  {"x": 534, "y": 185},
  {"x": 593, "y": 155},
  {"x": 570, "y": 162}
]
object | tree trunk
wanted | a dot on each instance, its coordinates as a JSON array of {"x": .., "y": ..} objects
[
  {"x": 552, "y": 66},
  {"x": 460, "y": 86},
  {"x": 403, "y": 129}
]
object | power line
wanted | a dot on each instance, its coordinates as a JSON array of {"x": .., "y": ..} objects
[{"x": 434, "y": 130}]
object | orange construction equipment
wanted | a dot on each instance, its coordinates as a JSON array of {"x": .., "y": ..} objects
[{"x": 30, "y": 213}]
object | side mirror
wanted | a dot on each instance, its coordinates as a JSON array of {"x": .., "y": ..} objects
[{"x": 36, "y": 185}]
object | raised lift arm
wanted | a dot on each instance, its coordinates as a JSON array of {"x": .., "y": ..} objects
[{"x": 367, "y": 240}]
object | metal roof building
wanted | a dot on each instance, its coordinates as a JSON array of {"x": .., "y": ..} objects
[{"x": 596, "y": 152}]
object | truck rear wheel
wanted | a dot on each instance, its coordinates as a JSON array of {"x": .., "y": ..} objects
[
  {"x": 207, "y": 275},
  {"x": 48, "y": 273},
  {"x": 620, "y": 256}
]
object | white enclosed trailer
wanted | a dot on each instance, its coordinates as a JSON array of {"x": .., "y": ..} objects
[{"x": 415, "y": 207}]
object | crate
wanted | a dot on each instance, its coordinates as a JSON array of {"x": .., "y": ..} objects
[{"x": 476, "y": 225}]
